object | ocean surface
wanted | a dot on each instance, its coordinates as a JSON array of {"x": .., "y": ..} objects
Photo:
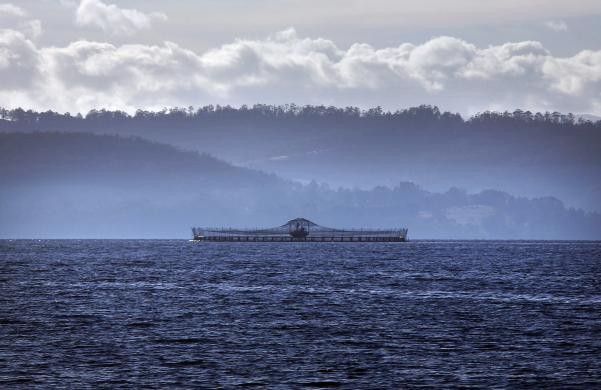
[{"x": 176, "y": 313}]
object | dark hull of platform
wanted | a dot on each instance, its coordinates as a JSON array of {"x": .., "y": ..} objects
[{"x": 292, "y": 239}]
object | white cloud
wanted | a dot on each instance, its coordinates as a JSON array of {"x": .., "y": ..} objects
[
  {"x": 556, "y": 25},
  {"x": 12, "y": 10},
  {"x": 19, "y": 64},
  {"x": 31, "y": 27},
  {"x": 111, "y": 18},
  {"x": 284, "y": 67},
  {"x": 14, "y": 18}
]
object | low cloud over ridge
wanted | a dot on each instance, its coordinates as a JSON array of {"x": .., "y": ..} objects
[{"x": 286, "y": 67}]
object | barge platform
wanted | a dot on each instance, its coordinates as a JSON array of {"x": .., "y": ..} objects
[{"x": 299, "y": 230}]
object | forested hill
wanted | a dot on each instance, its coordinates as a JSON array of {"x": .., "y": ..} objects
[
  {"x": 73, "y": 185},
  {"x": 56, "y": 158},
  {"x": 524, "y": 153}
]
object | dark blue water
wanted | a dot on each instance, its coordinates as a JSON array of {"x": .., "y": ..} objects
[{"x": 177, "y": 313}]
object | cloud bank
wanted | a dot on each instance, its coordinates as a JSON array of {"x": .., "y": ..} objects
[
  {"x": 113, "y": 19},
  {"x": 286, "y": 67}
]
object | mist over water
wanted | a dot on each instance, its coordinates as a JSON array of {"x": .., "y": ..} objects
[{"x": 180, "y": 313}]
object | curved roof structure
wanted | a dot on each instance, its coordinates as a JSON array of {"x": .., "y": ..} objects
[{"x": 302, "y": 221}]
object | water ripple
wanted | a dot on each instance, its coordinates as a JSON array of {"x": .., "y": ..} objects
[{"x": 181, "y": 314}]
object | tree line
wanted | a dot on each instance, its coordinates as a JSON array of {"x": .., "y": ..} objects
[{"x": 423, "y": 114}]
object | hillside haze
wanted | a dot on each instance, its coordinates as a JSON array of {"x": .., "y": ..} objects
[
  {"x": 522, "y": 153},
  {"x": 79, "y": 185}
]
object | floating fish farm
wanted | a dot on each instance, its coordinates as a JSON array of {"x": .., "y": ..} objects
[{"x": 299, "y": 230}]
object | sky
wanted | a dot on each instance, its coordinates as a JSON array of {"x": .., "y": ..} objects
[{"x": 465, "y": 56}]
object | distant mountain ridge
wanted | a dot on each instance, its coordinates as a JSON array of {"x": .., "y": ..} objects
[
  {"x": 523, "y": 153},
  {"x": 73, "y": 185}
]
